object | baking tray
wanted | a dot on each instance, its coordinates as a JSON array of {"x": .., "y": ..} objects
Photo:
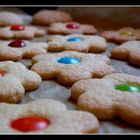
[{"x": 51, "y": 89}]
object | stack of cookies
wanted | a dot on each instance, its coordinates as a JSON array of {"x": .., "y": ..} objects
[{"x": 71, "y": 56}]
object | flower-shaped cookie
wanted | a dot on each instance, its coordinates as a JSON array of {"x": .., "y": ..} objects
[
  {"x": 115, "y": 95},
  {"x": 128, "y": 51},
  {"x": 17, "y": 49},
  {"x": 69, "y": 67},
  {"x": 15, "y": 79},
  {"x": 20, "y": 32},
  {"x": 77, "y": 42},
  {"x": 71, "y": 28},
  {"x": 122, "y": 35},
  {"x": 45, "y": 116}
]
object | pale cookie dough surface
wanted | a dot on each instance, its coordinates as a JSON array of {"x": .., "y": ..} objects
[
  {"x": 87, "y": 43},
  {"x": 100, "y": 97},
  {"x": 28, "y": 33},
  {"x": 17, "y": 53},
  {"x": 129, "y": 51},
  {"x": 16, "y": 80},
  {"x": 61, "y": 120},
  {"x": 60, "y": 28},
  {"x": 90, "y": 65}
]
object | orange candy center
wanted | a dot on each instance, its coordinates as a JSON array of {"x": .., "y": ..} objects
[{"x": 26, "y": 124}]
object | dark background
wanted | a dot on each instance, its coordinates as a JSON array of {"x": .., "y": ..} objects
[
  {"x": 69, "y": 2},
  {"x": 33, "y": 10}
]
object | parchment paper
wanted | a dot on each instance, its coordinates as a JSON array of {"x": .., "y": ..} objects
[{"x": 53, "y": 90}]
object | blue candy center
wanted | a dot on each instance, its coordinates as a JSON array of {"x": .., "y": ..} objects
[
  {"x": 69, "y": 60},
  {"x": 74, "y": 39}
]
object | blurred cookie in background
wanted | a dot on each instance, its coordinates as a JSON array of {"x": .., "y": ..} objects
[
  {"x": 9, "y": 18},
  {"x": 47, "y": 17}
]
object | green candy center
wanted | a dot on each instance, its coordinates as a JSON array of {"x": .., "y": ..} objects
[{"x": 128, "y": 88}]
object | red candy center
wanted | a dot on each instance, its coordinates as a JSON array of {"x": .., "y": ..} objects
[
  {"x": 17, "y": 27},
  {"x": 27, "y": 124},
  {"x": 2, "y": 73},
  {"x": 17, "y": 44},
  {"x": 72, "y": 26}
]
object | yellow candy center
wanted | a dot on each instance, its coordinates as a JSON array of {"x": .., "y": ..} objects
[{"x": 127, "y": 33}]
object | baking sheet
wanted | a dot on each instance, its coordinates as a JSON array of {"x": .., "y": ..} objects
[{"x": 51, "y": 89}]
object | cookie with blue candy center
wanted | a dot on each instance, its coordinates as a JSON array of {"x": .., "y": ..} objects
[
  {"x": 74, "y": 39},
  {"x": 68, "y": 60},
  {"x": 69, "y": 67},
  {"x": 75, "y": 42}
]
